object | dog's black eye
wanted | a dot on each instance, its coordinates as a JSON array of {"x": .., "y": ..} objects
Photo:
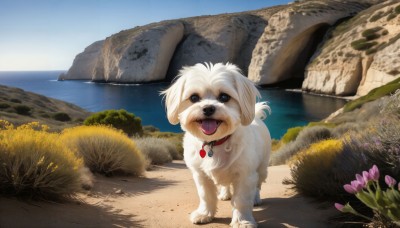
[
  {"x": 194, "y": 98},
  {"x": 223, "y": 98}
]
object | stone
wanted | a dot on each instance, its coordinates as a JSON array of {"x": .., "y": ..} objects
[
  {"x": 139, "y": 55},
  {"x": 84, "y": 63},
  {"x": 384, "y": 68},
  {"x": 339, "y": 67},
  {"x": 287, "y": 38}
]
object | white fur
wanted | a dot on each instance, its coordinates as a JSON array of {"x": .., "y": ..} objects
[{"x": 239, "y": 166}]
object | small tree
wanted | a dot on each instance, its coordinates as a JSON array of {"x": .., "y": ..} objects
[{"x": 119, "y": 119}]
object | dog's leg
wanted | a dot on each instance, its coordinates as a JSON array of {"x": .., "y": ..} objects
[
  {"x": 208, "y": 199},
  {"x": 224, "y": 193},
  {"x": 244, "y": 192},
  {"x": 257, "y": 198}
]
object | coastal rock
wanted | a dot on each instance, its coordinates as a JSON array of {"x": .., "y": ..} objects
[
  {"x": 286, "y": 44},
  {"x": 311, "y": 40},
  {"x": 359, "y": 55},
  {"x": 139, "y": 55},
  {"x": 84, "y": 63},
  {"x": 384, "y": 68},
  {"x": 208, "y": 39}
]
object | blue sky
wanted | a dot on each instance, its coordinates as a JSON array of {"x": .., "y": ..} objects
[{"x": 47, "y": 34}]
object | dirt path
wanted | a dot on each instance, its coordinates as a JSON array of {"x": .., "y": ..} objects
[{"x": 164, "y": 198}]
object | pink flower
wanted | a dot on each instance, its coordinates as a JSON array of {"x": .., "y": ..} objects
[
  {"x": 366, "y": 176},
  {"x": 357, "y": 185},
  {"x": 374, "y": 173},
  {"x": 339, "y": 206},
  {"x": 361, "y": 180},
  {"x": 348, "y": 188},
  {"x": 390, "y": 181}
]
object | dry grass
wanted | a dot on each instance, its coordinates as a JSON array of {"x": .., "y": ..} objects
[
  {"x": 105, "y": 150},
  {"x": 157, "y": 150},
  {"x": 35, "y": 163}
]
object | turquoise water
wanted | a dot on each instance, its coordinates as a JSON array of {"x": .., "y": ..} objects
[{"x": 289, "y": 109}]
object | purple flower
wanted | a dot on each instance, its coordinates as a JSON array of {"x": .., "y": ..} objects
[
  {"x": 390, "y": 181},
  {"x": 366, "y": 176},
  {"x": 339, "y": 206},
  {"x": 361, "y": 180},
  {"x": 357, "y": 185},
  {"x": 374, "y": 173},
  {"x": 350, "y": 189}
]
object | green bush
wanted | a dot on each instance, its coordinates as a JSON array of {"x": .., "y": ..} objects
[
  {"x": 120, "y": 119},
  {"x": 105, "y": 150},
  {"x": 371, "y": 31},
  {"x": 306, "y": 137},
  {"x": 291, "y": 134},
  {"x": 62, "y": 116},
  {"x": 22, "y": 110},
  {"x": 374, "y": 94},
  {"x": 4, "y": 105},
  {"x": 391, "y": 16},
  {"x": 397, "y": 9},
  {"x": 158, "y": 151},
  {"x": 36, "y": 164},
  {"x": 14, "y": 100},
  {"x": 372, "y": 36},
  {"x": 377, "y": 16},
  {"x": 360, "y": 46}
]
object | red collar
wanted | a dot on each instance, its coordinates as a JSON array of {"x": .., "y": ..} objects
[
  {"x": 211, "y": 145},
  {"x": 218, "y": 142}
]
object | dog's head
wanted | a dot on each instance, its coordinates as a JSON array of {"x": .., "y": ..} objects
[{"x": 211, "y": 101}]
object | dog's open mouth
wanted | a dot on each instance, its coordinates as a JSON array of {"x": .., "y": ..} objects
[{"x": 209, "y": 126}]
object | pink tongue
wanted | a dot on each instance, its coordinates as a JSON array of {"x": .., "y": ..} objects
[{"x": 209, "y": 127}]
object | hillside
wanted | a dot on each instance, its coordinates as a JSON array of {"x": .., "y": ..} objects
[
  {"x": 18, "y": 107},
  {"x": 359, "y": 54}
]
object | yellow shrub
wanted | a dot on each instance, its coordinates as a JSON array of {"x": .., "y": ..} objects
[
  {"x": 291, "y": 134},
  {"x": 105, "y": 150},
  {"x": 310, "y": 166},
  {"x": 4, "y": 124},
  {"x": 34, "y": 126},
  {"x": 37, "y": 164},
  {"x": 321, "y": 152}
]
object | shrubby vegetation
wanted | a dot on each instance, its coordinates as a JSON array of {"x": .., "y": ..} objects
[
  {"x": 374, "y": 94},
  {"x": 35, "y": 163},
  {"x": 105, "y": 150},
  {"x": 305, "y": 137},
  {"x": 119, "y": 119},
  {"x": 156, "y": 150},
  {"x": 358, "y": 141}
]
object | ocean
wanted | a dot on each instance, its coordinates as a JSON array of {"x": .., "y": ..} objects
[{"x": 289, "y": 109}]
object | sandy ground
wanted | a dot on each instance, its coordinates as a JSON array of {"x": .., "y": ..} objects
[{"x": 164, "y": 198}]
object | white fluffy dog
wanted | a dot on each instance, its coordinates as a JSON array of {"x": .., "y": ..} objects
[{"x": 226, "y": 143}]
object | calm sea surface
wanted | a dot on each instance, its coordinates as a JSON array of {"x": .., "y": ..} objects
[{"x": 289, "y": 109}]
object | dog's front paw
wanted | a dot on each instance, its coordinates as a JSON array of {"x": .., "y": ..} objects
[
  {"x": 244, "y": 224},
  {"x": 200, "y": 217},
  {"x": 240, "y": 220}
]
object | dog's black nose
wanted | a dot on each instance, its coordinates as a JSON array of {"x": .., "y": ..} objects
[{"x": 209, "y": 110}]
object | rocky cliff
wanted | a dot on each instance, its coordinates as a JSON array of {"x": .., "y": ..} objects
[
  {"x": 270, "y": 45},
  {"x": 359, "y": 54}
]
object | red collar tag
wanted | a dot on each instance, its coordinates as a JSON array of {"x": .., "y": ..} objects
[{"x": 210, "y": 145}]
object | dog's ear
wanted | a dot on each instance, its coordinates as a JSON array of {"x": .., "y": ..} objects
[
  {"x": 248, "y": 94},
  {"x": 173, "y": 96}
]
